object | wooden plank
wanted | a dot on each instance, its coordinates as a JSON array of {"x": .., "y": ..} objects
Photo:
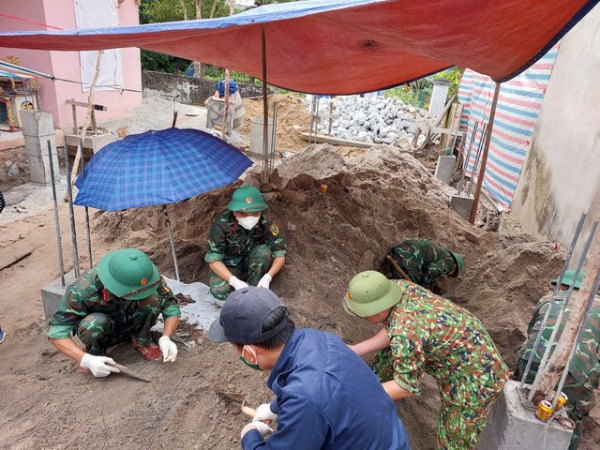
[
  {"x": 14, "y": 253},
  {"x": 335, "y": 141},
  {"x": 85, "y": 105}
]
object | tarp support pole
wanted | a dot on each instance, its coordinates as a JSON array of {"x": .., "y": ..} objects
[
  {"x": 265, "y": 173},
  {"x": 486, "y": 148}
]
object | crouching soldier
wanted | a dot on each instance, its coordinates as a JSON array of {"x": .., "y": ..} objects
[{"x": 118, "y": 301}]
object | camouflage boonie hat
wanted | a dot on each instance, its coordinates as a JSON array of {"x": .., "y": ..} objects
[
  {"x": 247, "y": 199},
  {"x": 128, "y": 274}
]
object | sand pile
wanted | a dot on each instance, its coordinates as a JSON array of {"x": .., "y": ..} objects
[{"x": 374, "y": 199}]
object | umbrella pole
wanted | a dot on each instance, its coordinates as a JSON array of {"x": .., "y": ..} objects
[{"x": 170, "y": 231}]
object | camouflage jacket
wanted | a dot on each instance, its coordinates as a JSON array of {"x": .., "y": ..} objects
[
  {"x": 429, "y": 334},
  {"x": 231, "y": 243},
  {"x": 585, "y": 365},
  {"x": 87, "y": 295},
  {"x": 422, "y": 260}
]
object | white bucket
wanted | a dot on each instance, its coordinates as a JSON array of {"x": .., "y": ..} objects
[{"x": 256, "y": 136}]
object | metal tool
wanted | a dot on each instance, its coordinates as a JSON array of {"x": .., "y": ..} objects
[
  {"x": 131, "y": 373},
  {"x": 236, "y": 397},
  {"x": 398, "y": 269}
]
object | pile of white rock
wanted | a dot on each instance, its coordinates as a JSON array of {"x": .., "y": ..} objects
[{"x": 371, "y": 118}]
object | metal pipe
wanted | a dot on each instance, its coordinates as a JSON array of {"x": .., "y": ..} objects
[
  {"x": 56, "y": 218},
  {"x": 582, "y": 327},
  {"x": 87, "y": 214},
  {"x": 71, "y": 214},
  {"x": 461, "y": 183},
  {"x": 554, "y": 294},
  {"x": 552, "y": 339},
  {"x": 265, "y": 174},
  {"x": 170, "y": 231},
  {"x": 475, "y": 169}
]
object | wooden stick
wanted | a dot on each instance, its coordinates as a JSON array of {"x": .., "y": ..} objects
[
  {"x": 398, "y": 269},
  {"x": 131, "y": 373},
  {"x": 86, "y": 122}
]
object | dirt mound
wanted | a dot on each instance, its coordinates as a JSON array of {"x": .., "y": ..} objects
[
  {"x": 373, "y": 200},
  {"x": 292, "y": 117}
]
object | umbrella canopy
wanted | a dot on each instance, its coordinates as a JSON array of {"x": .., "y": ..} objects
[{"x": 158, "y": 167}]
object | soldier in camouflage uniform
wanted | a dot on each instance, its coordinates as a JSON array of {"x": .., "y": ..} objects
[
  {"x": 244, "y": 243},
  {"x": 425, "y": 333},
  {"x": 584, "y": 371},
  {"x": 118, "y": 301},
  {"x": 424, "y": 261}
]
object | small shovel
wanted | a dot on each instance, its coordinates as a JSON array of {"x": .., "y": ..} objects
[{"x": 236, "y": 397}]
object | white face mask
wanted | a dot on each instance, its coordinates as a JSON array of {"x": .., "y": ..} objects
[{"x": 248, "y": 222}]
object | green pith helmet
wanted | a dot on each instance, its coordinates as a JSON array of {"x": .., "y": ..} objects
[
  {"x": 369, "y": 293},
  {"x": 567, "y": 279},
  {"x": 459, "y": 263},
  {"x": 128, "y": 274},
  {"x": 247, "y": 199}
]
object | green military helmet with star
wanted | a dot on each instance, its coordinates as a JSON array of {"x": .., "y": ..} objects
[
  {"x": 247, "y": 199},
  {"x": 128, "y": 274}
]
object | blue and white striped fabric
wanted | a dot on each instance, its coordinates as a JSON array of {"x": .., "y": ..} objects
[
  {"x": 519, "y": 104},
  {"x": 158, "y": 167}
]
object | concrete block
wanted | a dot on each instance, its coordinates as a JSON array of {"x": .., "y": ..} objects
[
  {"x": 511, "y": 426},
  {"x": 52, "y": 293},
  {"x": 94, "y": 143},
  {"x": 462, "y": 205},
  {"x": 445, "y": 168},
  {"x": 37, "y": 123}
]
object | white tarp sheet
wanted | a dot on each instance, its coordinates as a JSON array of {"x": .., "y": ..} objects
[{"x": 99, "y": 14}]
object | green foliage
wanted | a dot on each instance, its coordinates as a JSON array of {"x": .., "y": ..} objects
[
  {"x": 159, "y": 62},
  {"x": 418, "y": 92}
]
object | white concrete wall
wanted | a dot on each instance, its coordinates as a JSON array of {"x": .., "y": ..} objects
[{"x": 561, "y": 178}]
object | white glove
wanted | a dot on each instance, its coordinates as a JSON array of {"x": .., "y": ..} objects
[
  {"x": 263, "y": 412},
  {"x": 262, "y": 428},
  {"x": 168, "y": 349},
  {"x": 236, "y": 283},
  {"x": 265, "y": 281},
  {"x": 98, "y": 365}
]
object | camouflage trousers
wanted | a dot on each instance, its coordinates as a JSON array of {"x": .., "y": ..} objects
[
  {"x": 98, "y": 331},
  {"x": 579, "y": 404},
  {"x": 458, "y": 427},
  {"x": 252, "y": 268}
]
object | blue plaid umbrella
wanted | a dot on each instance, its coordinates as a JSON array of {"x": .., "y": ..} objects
[{"x": 158, "y": 167}]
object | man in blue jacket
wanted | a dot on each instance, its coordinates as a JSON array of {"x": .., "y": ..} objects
[{"x": 326, "y": 396}]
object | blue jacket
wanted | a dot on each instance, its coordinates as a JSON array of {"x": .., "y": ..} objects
[{"x": 328, "y": 398}]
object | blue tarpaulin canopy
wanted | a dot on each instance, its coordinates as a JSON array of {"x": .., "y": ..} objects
[{"x": 347, "y": 46}]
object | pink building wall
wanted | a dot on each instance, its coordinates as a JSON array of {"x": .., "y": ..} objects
[{"x": 66, "y": 65}]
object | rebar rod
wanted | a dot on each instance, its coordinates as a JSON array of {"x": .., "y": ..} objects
[
  {"x": 56, "y": 217},
  {"x": 87, "y": 214},
  {"x": 72, "y": 215},
  {"x": 552, "y": 339},
  {"x": 582, "y": 326},
  {"x": 273, "y": 135},
  {"x": 556, "y": 288}
]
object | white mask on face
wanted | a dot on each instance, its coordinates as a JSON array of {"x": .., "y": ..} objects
[{"x": 248, "y": 222}]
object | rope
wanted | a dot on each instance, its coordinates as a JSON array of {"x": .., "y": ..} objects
[{"x": 31, "y": 22}]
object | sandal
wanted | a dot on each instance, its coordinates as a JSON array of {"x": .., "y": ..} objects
[{"x": 151, "y": 351}]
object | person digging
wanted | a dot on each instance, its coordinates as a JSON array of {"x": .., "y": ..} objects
[
  {"x": 243, "y": 243},
  {"x": 425, "y": 334},
  {"x": 118, "y": 301},
  {"x": 422, "y": 261},
  {"x": 326, "y": 396}
]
